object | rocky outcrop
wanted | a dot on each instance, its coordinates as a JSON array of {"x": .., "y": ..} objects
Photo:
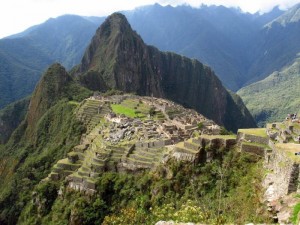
[{"x": 117, "y": 58}]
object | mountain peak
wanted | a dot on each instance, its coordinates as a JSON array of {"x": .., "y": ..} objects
[
  {"x": 113, "y": 41},
  {"x": 117, "y": 20},
  {"x": 106, "y": 39},
  {"x": 117, "y": 58},
  {"x": 290, "y": 16},
  {"x": 47, "y": 92}
]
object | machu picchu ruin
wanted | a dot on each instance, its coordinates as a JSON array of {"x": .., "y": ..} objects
[
  {"x": 279, "y": 146},
  {"x": 133, "y": 133}
]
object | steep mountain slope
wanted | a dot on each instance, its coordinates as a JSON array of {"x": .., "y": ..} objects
[
  {"x": 11, "y": 117},
  {"x": 291, "y": 16},
  {"x": 20, "y": 67},
  {"x": 263, "y": 19},
  {"x": 215, "y": 35},
  {"x": 117, "y": 58},
  {"x": 48, "y": 131},
  {"x": 56, "y": 84},
  {"x": 52, "y": 131},
  {"x": 134, "y": 196},
  {"x": 206, "y": 33},
  {"x": 64, "y": 39},
  {"x": 274, "y": 97},
  {"x": 25, "y": 56},
  {"x": 278, "y": 47}
]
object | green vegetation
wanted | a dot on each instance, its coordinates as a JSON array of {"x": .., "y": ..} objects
[
  {"x": 27, "y": 162},
  {"x": 10, "y": 118},
  {"x": 224, "y": 191},
  {"x": 46, "y": 135},
  {"x": 131, "y": 108},
  {"x": 119, "y": 109},
  {"x": 105, "y": 66},
  {"x": 296, "y": 214},
  {"x": 271, "y": 99},
  {"x": 224, "y": 131},
  {"x": 200, "y": 126},
  {"x": 232, "y": 136},
  {"x": 261, "y": 132},
  {"x": 24, "y": 58},
  {"x": 290, "y": 149}
]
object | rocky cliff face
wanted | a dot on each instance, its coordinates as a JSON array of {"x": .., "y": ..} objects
[{"x": 117, "y": 58}]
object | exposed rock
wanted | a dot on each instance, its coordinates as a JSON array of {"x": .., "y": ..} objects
[
  {"x": 119, "y": 59},
  {"x": 115, "y": 142}
]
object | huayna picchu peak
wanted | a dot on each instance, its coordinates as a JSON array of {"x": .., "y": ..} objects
[
  {"x": 133, "y": 135},
  {"x": 117, "y": 58}
]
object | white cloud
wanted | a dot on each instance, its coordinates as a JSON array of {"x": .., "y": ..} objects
[{"x": 17, "y": 15}]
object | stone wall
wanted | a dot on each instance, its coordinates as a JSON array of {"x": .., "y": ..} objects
[
  {"x": 252, "y": 138},
  {"x": 216, "y": 143},
  {"x": 258, "y": 150},
  {"x": 283, "y": 178},
  {"x": 182, "y": 156},
  {"x": 153, "y": 144}
]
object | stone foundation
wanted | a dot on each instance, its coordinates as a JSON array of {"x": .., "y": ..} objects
[
  {"x": 284, "y": 174},
  {"x": 258, "y": 150}
]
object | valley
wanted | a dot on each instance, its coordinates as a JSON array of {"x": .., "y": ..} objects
[{"x": 117, "y": 131}]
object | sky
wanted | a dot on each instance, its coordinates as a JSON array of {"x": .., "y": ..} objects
[{"x": 17, "y": 15}]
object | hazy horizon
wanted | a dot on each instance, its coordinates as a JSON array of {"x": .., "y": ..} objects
[{"x": 17, "y": 16}]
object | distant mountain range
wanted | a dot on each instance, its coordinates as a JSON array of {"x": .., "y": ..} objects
[
  {"x": 117, "y": 58},
  {"x": 24, "y": 57},
  {"x": 35, "y": 133},
  {"x": 241, "y": 48}
]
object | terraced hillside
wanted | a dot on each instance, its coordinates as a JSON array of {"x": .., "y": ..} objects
[
  {"x": 279, "y": 145},
  {"x": 130, "y": 133}
]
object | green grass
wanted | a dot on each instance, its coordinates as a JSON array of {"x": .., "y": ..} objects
[
  {"x": 219, "y": 136},
  {"x": 271, "y": 99},
  {"x": 127, "y": 111},
  {"x": 73, "y": 103},
  {"x": 290, "y": 149},
  {"x": 67, "y": 162},
  {"x": 261, "y": 132},
  {"x": 295, "y": 214},
  {"x": 296, "y": 125}
]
